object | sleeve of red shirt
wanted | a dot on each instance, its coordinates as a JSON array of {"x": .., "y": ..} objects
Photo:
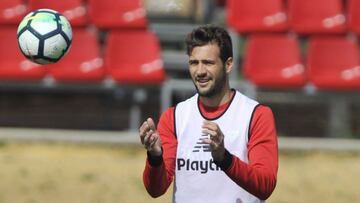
[
  {"x": 158, "y": 174},
  {"x": 258, "y": 177}
]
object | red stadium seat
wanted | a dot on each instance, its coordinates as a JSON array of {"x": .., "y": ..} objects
[
  {"x": 274, "y": 61},
  {"x": 333, "y": 63},
  {"x": 320, "y": 16},
  {"x": 73, "y": 10},
  {"x": 12, "y": 11},
  {"x": 221, "y": 2},
  {"x": 133, "y": 57},
  {"x": 256, "y": 15},
  {"x": 83, "y": 62},
  {"x": 117, "y": 14},
  {"x": 353, "y": 10},
  {"x": 13, "y": 65}
]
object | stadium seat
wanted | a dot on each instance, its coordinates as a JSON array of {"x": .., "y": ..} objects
[
  {"x": 133, "y": 57},
  {"x": 353, "y": 11},
  {"x": 107, "y": 14},
  {"x": 173, "y": 11},
  {"x": 320, "y": 16},
  {"x": 273, "y": 61},
  {"x": 221, "y": 3},
  {"x": 333, "y": 63},
  {"x": 73, "y": 10},
  {"x": 256, "y": 15},
  {"x": 13, "y": 65},
  {"x": 83, "y": 62},
  {"x": 12, "y": 11}
]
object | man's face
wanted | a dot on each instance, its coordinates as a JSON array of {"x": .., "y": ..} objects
[{"x": 207, "y": 71}]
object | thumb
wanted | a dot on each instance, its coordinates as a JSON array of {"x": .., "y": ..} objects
[{"x": 151, "y": 124}]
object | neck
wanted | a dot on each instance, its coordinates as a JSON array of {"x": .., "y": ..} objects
[{"x": 218, "y": 99}]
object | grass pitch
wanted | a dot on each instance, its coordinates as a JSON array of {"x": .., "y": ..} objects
[{"x": 48, "y": 172}]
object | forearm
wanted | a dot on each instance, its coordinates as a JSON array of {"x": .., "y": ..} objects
[
  {"x": 155, "y": 176},
  {"x": 159, "y": 171},
  {"x": 259, "y": 180}
]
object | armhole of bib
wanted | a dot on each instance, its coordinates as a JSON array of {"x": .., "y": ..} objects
[
  {"x": 251, "y": 119},
  {"x": 174, "y": 120}
]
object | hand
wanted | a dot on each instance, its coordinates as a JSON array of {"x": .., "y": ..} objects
[
  {"x": 149, "y": 137},
  {"x": 215, "y": 140}
]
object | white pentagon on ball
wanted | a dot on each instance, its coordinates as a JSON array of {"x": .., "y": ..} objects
[
  {"x": 44, "y": 36},
  {"x": 29, "y": 43},
  {"x": 53, "y": 46}
]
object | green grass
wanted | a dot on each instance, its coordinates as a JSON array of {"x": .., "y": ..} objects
[{"x": 42, "y": 173}]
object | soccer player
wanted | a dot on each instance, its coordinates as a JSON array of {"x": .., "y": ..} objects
[{"x": 219, "y": 145}]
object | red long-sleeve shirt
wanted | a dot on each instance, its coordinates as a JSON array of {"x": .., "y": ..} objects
[{"x": 258, "y": 177}]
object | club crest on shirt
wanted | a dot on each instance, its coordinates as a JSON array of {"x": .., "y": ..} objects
[{"x": 200, "y": 146}]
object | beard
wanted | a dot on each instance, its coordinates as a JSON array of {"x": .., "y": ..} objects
[{"x": 216, "y": 88}]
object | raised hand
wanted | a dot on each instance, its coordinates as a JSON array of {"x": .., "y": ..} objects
[
  {"x": 215, "y": 140},
  {"x": 150, "y": 138}
]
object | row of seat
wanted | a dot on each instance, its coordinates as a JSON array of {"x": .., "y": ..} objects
[
  {"x": 111, "y": 13},
  {"x": 277, "y": 61},
  {"x": 133, "y": 57},
  {"x": 271, "y": 60},
  {"x": 300, "y": 16},
  {"x": 129, "y": 56},
  {"x": 102, "y": 13}
]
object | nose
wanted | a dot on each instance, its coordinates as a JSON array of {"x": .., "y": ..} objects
[{"x": 201, "y": 70}]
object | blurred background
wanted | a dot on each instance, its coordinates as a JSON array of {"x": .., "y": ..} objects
[{"x": 127, "y": 62}]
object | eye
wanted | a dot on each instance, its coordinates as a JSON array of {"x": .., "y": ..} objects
[
  {"x": 208, "y": 62},
  {"x": 193, "y": 62}
]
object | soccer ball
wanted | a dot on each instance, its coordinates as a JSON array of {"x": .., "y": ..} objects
[{"x": 44, "y": 36}]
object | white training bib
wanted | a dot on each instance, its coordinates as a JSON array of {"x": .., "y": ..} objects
[{"x": 197, "y": 178}]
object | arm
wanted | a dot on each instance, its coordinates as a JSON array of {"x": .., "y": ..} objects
[
  {"x": 159, "y": 170},
  {"x": 258, "y": 177}
]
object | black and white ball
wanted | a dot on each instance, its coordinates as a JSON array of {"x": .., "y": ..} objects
[{"x": 44, "y": 36}]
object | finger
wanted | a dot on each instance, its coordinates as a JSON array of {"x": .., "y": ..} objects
[
  {"x": 143, "y": 129},
  {"x": 208, "y": 132},
  {"x": 147, "y": 138},
  {"x": 210, "y": 125},
  {"x": 206, "y": 141},
  {"x": 213, "y": 135},
  {"x": 154, "y": 139},
  {"x": 151, "y": 124},
  {"x": 212, "y": 143},
  {"x": 145, "y": 126}
]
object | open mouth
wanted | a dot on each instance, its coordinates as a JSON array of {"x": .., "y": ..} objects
[{"x": 203, "y": 81}]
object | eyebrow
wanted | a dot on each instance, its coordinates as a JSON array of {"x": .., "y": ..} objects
[{"x": 203, "y": 60}]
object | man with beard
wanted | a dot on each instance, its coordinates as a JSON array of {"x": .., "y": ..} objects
[{"x": 218, "y": 145}]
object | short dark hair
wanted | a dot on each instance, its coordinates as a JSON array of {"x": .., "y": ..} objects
[{"x": 209, "y": 34}]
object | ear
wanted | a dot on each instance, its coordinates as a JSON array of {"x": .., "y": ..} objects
[{"x": 229, "y": 65}]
